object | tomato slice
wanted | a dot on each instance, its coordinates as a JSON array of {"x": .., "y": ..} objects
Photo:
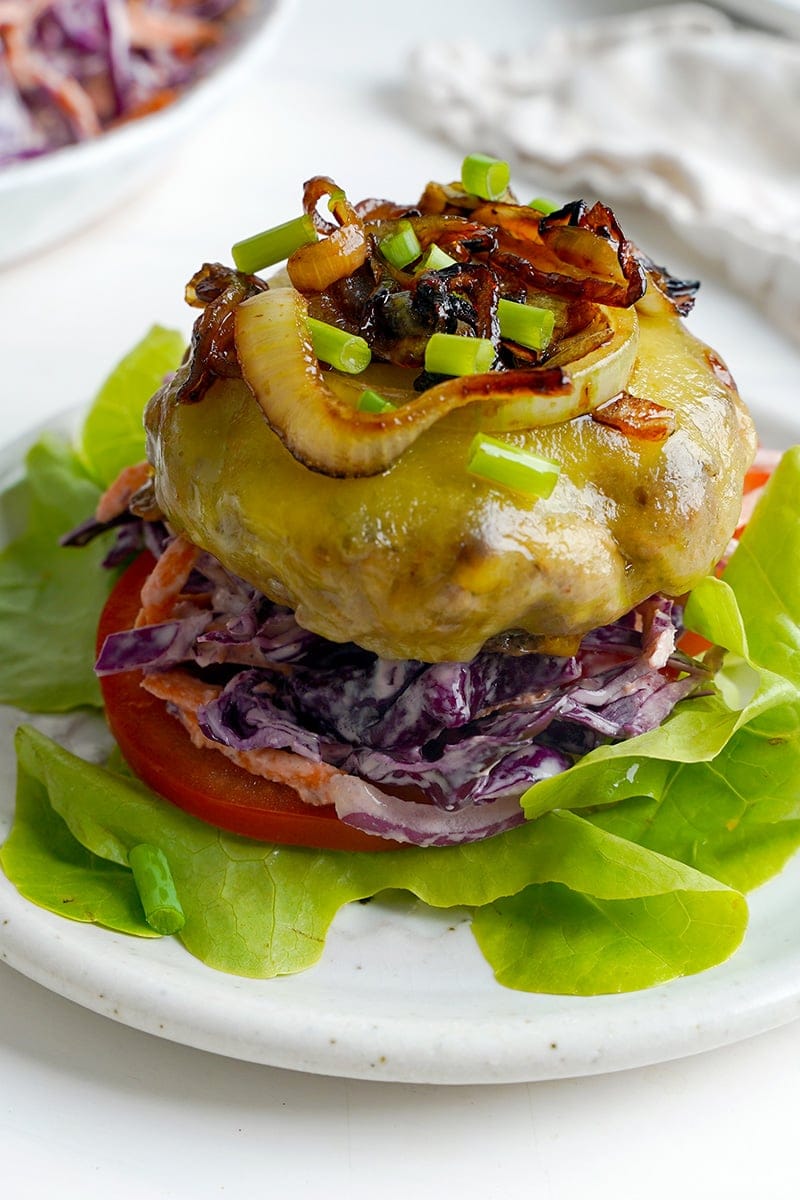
[
  {"x": 202, "y": 782},
  {"x": 693, "y": 644}
]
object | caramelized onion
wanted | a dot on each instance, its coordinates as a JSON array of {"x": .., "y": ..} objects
[
  {"x": 637, "y": 417},
  {"x": 376, "y": 209},
  {"x": 519, "y": 220},
  {"x": 590, "y": 239},
  {"x": 218, "y": 290},
  {"x": 314, "y": 267},
  {"x": 571, "y": 260},
  {"x": 596, "y": 332},
  {"x": 329, "y": 435},
  {"x": 439, "y": 197},
  {"x": 665, "y": 292},
  {"x": 575, "y": 252},
  {"x": 463, "y": 297}
]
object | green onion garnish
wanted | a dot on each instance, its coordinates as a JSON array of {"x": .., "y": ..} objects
[
  {"x": 543, "y": 206},
  {"x": 401, "y": 247},
  {"x": 526, "y": 325},
  {"x": 345, "y": 351},
  {"x": 454, "y": 354},
  {"x": 273, "y": 245},
  {"x": 484, "y": 176},
  {"x": 434, "y": 259},
  {"x": 371, "y": 402},
  {"x": 512, "y": 467},
  {"x": 156, "y": 888}
]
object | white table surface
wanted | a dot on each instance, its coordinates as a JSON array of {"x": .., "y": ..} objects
[{"x": 90, "y": 1108}]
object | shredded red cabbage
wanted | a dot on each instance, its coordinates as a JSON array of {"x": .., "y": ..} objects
[
  {"x": 462, "y": 737},
  {"x": 388, "y": 816},
  {"x": 70, "y": 69}
]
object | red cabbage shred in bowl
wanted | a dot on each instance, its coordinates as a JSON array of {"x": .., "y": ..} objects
[{"x": 71, "y": 69}]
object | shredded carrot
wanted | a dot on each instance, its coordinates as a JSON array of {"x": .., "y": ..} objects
[
  {"x": 154, "y": 103},
  {"x": 152, "y": 28},
  {"x": 693, "y": 644},
  {"x": 30, "y": 70},
  {"x": 164, "y": 584},
  {"x": 180, "y": 688},
  {"x": 118, "y": 496},
  {"x": 309, "y": 779}
]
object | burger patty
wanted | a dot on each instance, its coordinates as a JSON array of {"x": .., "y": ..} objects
[{"x": 427, "y": 562}]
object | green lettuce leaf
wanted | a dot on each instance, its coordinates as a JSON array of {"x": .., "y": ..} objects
[
  {"x": 738, "y": 816},
  {"x": 551, "y": 939},
  {"x": 764, "y": 573},
  {"x": 51, "y": 868},
  {"x": 113, "y": 435},
  {"x": 50, "y": 597},
  {"x": 696, "y": 733},
  {"x": 263, "y": 910}
]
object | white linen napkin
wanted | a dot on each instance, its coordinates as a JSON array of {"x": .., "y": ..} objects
[{"x": 675, "y": 107}]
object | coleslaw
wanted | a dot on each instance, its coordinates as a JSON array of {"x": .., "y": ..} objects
[{"x": 72, "y": 69}]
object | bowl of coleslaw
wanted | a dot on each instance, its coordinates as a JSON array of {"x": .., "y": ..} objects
[{"x": 96, "y": 95}]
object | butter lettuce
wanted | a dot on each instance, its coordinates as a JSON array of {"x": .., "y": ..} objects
[
  {"x": 263, "y": 910},
  {"x": 113, "y": 435},
  {"x": 58, "y": 872},
  {"x": 630, "y": 871},
  {"x": 49, "y": 596}
]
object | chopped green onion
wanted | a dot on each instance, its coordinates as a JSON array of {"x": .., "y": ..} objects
[
  {"x": 455, "y": 354},
  {"x": 434, "y": 259},
  {"x": 484, "y": 176},
  {"x": 371, "y": 402},
  {"x": 156, "y": 888},
  {"x": 526, "y": 325},
  {"x": 273, "y": 245},
  {"x": 543, "y": 206},
  {"x": 345, "y": 351},
  {"x": 512, "y": 467},
  {"x": 401, "y": 247}
]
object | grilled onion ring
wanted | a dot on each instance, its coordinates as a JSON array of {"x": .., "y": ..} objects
[{"x": 330, "y": 436}]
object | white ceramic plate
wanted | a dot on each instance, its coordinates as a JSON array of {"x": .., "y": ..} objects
[{"x": 402, "y": 992}]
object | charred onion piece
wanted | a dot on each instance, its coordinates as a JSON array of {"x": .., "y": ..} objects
[
  {"x": 457, "y": 236},
  {"x": 342, "y": 251},
  {"x": 330, "y": 436},
  {"x": 212, "y": 279},
  {"x": 460, "y": 299},
  {"x": 637, "y": 417},
  {"x": 219, "y": 291},
  {"x": 373, "y": 208},
  {"x": 575, "y": 252},
  {"x": 590, "y": 380},
  {"x": 591, "y": 239},
  {"x": 662, "y": 287},
  {"x": 590, "y": 336},
  {"x": 449, "y": 197}
]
